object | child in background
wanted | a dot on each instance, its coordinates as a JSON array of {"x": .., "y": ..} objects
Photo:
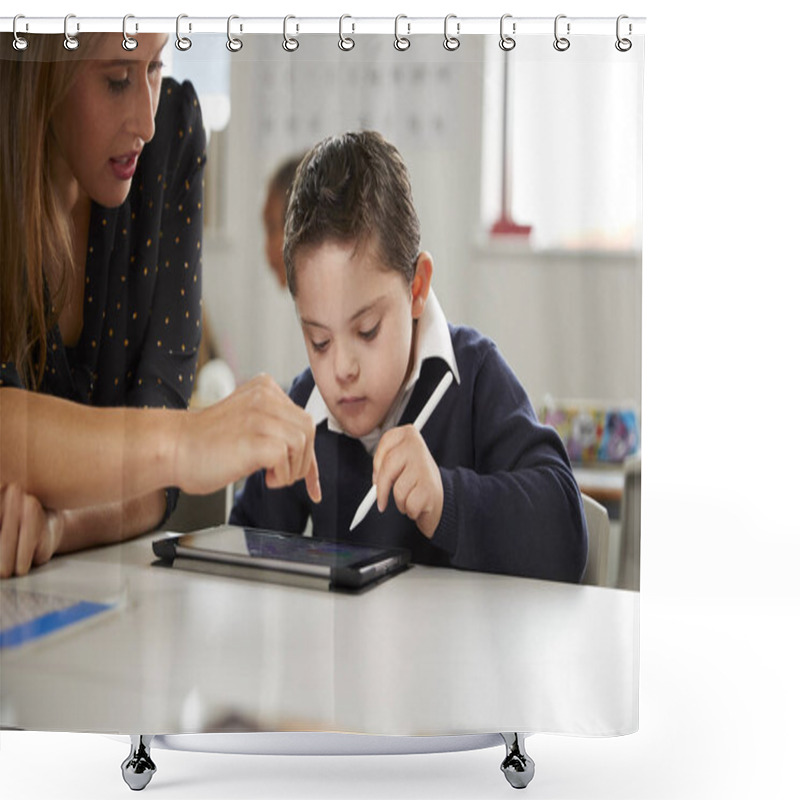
[
  {"x": 274, "y": 214},
  {"x": 483, "y": 485}
]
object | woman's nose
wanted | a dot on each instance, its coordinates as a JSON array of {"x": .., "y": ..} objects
[{"x": 143, "y": 111}]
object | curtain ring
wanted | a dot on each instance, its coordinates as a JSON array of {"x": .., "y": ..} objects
[
  {"x": 19, "y": 42},
  {"x": 233, "y": 44},
  {"x": 70, "y": 42},
  {"x": 451, "y": 43},
  {"x": 623, "y": 45},
  {"x": 561, "y": 43},
  {"x": 345, "y": 42},
  {"x": 128, "y": 42},
  {"x": 507, "y": 42},
  {"x": 290, "y": 44},
  {"x": 401, "y": 42},
  {"x": 183, "y": 43}
]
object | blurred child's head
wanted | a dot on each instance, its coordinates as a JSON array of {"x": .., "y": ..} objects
[
  {"x": 275, "y": 205},
  {"x": 355, "y": 271}
]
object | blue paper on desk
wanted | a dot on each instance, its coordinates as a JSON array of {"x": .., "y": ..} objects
[{"x": 26, "y": 616}]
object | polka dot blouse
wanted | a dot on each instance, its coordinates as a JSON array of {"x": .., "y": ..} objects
[{"x": 142, "y": 301}]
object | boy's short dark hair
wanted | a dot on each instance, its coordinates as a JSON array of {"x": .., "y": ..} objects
[{"x": 349, "y": 188}]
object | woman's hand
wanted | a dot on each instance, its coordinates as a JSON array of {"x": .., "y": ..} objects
[
  {"x": 29, "y": 534},
  {"x": 404, "y": 465},
  {"x": 256, "y": 427}
]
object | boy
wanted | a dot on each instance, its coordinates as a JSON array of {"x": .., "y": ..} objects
[{"x": 483, "y": 485}]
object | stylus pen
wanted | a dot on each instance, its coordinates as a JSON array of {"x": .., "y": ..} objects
[{"x": 422, "y": 418}]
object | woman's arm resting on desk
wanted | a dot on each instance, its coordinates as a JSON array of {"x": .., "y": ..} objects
[
  {"x": 30, "y": 535},
  {"x": 70, "y": 456},
  {"x": 110, "y": 523}
]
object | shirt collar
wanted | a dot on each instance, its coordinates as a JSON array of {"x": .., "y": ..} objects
[{"x": 433, "y": 341}]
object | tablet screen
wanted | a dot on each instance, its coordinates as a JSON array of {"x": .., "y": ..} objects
[
  {"x": 249, "y": 542},
  {"x": 307, "y": 550}
]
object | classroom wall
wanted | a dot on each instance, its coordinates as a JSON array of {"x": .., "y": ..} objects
[{"x": 569, "y": 323}]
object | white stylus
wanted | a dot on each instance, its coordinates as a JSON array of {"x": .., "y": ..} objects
[{"x": 422, "y": 418}]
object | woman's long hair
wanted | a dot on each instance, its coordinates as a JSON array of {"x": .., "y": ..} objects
[{"x": 36, "y": 237}]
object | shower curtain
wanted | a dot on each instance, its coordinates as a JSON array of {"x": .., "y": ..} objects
[{"x": 523, "y": 148}]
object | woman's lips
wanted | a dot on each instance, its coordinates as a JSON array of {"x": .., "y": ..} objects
[{"x": 124, "y": 166}]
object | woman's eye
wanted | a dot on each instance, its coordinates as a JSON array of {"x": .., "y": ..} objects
[
  {"x": 155, "y": 66},
  {"x": 371, "y": 333},
  {"x": 320, "y": 347},
  {"x": 118, "y": 85}
]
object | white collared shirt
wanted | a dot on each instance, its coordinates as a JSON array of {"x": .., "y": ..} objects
[{"x": 433, "y": 341}]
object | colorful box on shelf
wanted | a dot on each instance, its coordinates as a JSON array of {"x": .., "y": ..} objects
[{"x": 592, "y": 432}]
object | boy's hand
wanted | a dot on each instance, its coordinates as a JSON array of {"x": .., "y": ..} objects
[
  {"x": 29, "y": 534},
  {"x": 403, "y": 464}
]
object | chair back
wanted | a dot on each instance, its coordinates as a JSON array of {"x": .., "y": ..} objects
[
  {"x": 630, "y": 518},
  {"x": 599, "y": 529}
]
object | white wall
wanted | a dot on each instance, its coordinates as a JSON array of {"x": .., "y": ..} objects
[{"x": 569, "y": 323}]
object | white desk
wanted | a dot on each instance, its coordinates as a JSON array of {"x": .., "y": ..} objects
[{"x": 429, "y": 652}]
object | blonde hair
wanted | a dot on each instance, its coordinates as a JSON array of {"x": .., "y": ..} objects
[{"x": 36, "y": 235}]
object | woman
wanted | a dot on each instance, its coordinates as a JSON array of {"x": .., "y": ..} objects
[{"x": 100, "y": 224}]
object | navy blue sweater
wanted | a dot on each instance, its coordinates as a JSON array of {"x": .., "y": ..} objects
[{"x": 511, "y": 503}]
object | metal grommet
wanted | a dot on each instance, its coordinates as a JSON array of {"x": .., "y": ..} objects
[
  {"x": 506, "y": 42},
  {"x": 401, "y": 43},
  {"x": 19, "y": 42},
  {"x": 233, "y": 44},
  {"x": 623, "y": 45},
  {"x": 70, "y": 42},
  {"x": 183, "y": 43},
  {"x": 290, "y": 44},
  {"x": 128, "y": 42},
  {"x": 346, "y": 43},
  {"x": 451, "y": 42},
  {"x": 561, "y": 43}
]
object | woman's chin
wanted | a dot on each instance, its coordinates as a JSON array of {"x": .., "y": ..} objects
[{"x": 113, "y": 197}]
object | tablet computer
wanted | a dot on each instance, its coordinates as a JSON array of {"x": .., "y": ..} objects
[{"x": 281, "y": 557}]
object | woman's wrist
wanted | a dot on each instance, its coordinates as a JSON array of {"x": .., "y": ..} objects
[
  {"x": 150, "y": 450},
  {"x": 168, "y": 433}
]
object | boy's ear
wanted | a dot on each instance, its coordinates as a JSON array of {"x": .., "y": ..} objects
[{"x": 421, "y": 284}]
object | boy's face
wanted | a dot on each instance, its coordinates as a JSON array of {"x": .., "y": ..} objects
[{"x": 357, "y": 319}]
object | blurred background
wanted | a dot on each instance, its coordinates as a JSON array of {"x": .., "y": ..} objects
[{"x": 561, "y": 294}]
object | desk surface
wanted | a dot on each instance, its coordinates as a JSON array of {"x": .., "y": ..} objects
[{"x": 429, "y": 652}]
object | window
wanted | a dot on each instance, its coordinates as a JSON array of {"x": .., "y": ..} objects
[{"x": 573, "y": 146}]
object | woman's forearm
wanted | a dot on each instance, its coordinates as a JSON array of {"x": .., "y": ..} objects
[
  {"x": 111, "y": 523},
  {"x": 71, "y": 456}
]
